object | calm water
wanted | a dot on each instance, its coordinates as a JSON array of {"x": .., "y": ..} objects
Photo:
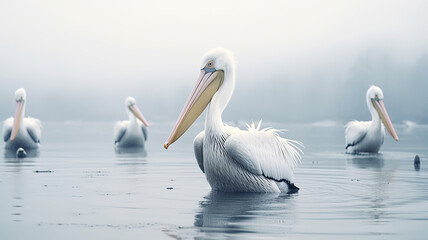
[{"x": 78, "y": 187}]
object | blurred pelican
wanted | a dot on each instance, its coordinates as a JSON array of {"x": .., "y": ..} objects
[
  {"x": 368, "y": 136},
  {"x": 21, "y": 133},
  {"x": 233, "y": 160},
  {"x": 131, "y": 133}
]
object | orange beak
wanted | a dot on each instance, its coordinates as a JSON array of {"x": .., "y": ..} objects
[
  {"x": 206, "y": 86},
  {"x": 137, "y": 113},
  {"x": 16, "y": 119},
  {"x": 383, "y": 114}
]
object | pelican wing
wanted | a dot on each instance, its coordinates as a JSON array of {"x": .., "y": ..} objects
[
  {"x": 355, "y": 132},
  {"x": 120, "y": 130},
  {"x": 34, "y": 128},
  {"x": 198, "y": 145},
  {"x": 7, "y": 128},
  {"x": 144, "y": 129},
  {"x": 264, "y": 152}
]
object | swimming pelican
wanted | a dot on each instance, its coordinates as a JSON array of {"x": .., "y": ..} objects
[
  {"x": 131, "y": 133},
  {"x": 233, "y": 160},
  {"x": 368, "y": 136},
  {"x": 21, "y": 132}
]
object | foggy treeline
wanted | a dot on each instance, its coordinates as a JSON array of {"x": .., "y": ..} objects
[{"x": 309, "y": 94}]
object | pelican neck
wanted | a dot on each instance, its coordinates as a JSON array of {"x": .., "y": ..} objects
[{"x": 213, "y": 121}]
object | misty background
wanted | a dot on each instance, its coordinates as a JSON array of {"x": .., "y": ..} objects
[{"x": 297, "y": 61}]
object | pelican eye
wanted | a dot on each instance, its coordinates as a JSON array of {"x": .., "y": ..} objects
[
  {"x": 210, "y": 64},
  {"x": 377, "y": 98}
]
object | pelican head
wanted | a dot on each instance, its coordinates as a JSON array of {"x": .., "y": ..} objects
[
  {"x": 20, "y": 97},
  {"x": 216, "y": 81},
  {"x": 134, "y": 111},
  {"x": 375, "y": 104}
]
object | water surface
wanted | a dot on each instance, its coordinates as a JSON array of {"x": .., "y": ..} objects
[{"x": 77, "y": 186}]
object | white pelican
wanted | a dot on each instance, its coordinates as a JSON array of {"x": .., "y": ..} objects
[
  {"x": 233, "y": 160},
  {"x": 368, "y": 136},
  {"x": 131, "y": 133},
  {"x": 19, "y": 132}
]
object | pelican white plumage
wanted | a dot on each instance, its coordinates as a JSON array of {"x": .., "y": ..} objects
[
  {"x": 368, "y": 136},
  {"x": 234, "y": 160},
  {"x": 21, "y": 132},
  {"x": 132, "y": 132}
]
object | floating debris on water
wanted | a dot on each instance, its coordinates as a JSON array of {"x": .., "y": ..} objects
[
  {"x": 43, "y": 171},
  {"x": 417, "y": 163}
]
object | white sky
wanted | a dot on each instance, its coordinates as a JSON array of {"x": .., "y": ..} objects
[{"x": 103, "y": 51}]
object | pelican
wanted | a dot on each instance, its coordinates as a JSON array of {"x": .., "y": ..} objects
[
  {"x": 133, "y": 132},
  {"x": 234, "y": 160},
  {"x": 21, "y": 132},
  {"x": 368, "y": 136}
]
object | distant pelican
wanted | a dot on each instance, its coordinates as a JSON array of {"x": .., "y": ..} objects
[
  {"x": 21, "y": 133},
  {"x": 131, "y": 133},
  {"x": 233, "y": 160},
  {"x": 368, "y": 136}
]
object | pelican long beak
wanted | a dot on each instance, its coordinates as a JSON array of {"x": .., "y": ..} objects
[
  {"x": 16, "y": 119},
  {"x": 380, "y": 108},
  {"x": 137, "y": 113},
  {"x": 206, "y": 86}
]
